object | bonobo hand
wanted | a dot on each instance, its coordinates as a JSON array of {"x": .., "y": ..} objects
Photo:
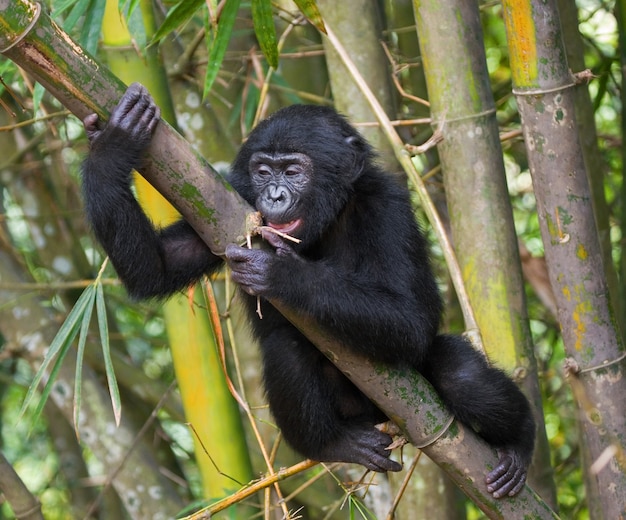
[
  {"x": 129, "y": 129},
  {"x": 250, "y": 268}
]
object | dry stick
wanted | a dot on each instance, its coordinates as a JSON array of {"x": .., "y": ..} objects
[
  {"x": 403, "y": 486},
  {"x": 328, "y": 468},
  {"x": 396, "y": 122},
  {"x": 409, "y": 168},
  {"x": 396, "y": 81},
  {"x": 279, "y": 233},
  {"x": 217, "y": 326},
  {"x": 263, "y": 483},
  {"x": 55, "y": 286},
  {"x": 206, "y": 452}
]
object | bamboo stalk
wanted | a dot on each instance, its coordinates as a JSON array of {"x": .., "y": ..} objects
[{"x": 544, "y": 89}]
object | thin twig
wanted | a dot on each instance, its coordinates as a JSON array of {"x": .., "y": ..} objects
[
  {"x": 279, "y": 233},
  {"x": 217, "y": 327},
  {"x": 270, "y": 480},
  {"x": 396, "y": 81}
]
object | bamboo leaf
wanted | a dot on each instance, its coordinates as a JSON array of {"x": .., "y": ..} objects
[
  {"x": 53, "y": 373},
  {"x": 60, "y": 7},
  {"x": 80, "y": 352},
  {"x": 219, "y": 43},
  {"x": 309, "y": 9},
  {"x": 77, "y": 11},
  {"x": 265, "y": 30},
  {"x": 60, "y": 344},
  {"x": 38, "y": 93},
  {"x": 127, "y": 6},
  {"x": 177, "y": 16},
  {"x": 103, "y": 326},
  {"x": 92, "y": 24}
]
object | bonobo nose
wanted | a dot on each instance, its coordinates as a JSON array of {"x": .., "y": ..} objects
[{"x": 277, "y": 194}]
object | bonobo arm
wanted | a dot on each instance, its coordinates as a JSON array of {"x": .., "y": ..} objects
[
  {"x": 149, "y": 262},
  {"x": 358, "y": 309}
]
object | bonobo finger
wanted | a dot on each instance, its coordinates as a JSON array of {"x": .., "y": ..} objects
[
  {"x": 236, "y": 253},
  {"x": 90, "y": 123},
  {"x": 380, "y": 463},
  {"x": 508, "y": 477},
  {"x": 137, "y": 112},
  {"x": 508, "y": 484},
  {"x": 154, "y": 120},
  {"x": 282, "y": 246},
  {"x": 127, "y": 101},
  {"x": 272, "y": 238}
]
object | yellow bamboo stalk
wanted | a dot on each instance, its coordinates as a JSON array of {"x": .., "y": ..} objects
[{"x": 220, "y": 446}]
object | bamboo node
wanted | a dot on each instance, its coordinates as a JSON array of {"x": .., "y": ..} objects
[
  {"x": 542, "y": 91},
  {"x": 27, "y": 29},
  {"x": 436, "y": 436}
]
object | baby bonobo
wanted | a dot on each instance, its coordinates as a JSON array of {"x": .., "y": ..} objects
[{"x": 361, "y": 270}]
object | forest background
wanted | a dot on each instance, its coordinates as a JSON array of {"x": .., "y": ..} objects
[{"x": 160, "y": 432}]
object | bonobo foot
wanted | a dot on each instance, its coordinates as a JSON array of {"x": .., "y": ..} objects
[
  {"x": 363, "y": 444},
  {"x": 509, "y": 476}
]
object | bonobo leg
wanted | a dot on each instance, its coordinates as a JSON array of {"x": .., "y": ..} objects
[
  {"x": 485, "y": 399},
  {"x": 320, "y": 412}
]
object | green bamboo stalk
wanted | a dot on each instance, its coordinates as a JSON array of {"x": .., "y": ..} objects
[
  {"x": 405, "y": 397},
  {"x": 209, "y": 406},
  {"x": 481, "y": 216},
  {"x": 368, "y": 55},
  {"x": 544, "y": 89}
]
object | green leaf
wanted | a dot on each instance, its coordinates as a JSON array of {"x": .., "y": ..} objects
[
  {"x": 59, "y": 7},
  {"x": 53, "y": 375},
  {"x": 77, "y": 11},
  {"x": 127, "y": 7},
  {"x": 60, "y": 344},
  {"x": 218, "y": 45},
  {"x": 92, "y": 26},
  {"x": 80, "y": 352},
  {"x": 177, "y": 16},
  {"x": 103, "y": 325},
  {"x": 309, "y": 9},
  {"x": 38, "y": 93},
  {"x": 137, "y": 29},
  {"x": 265, "y": 30}
]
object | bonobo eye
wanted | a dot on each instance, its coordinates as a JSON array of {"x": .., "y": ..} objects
[{"x": 263, "y": 169}]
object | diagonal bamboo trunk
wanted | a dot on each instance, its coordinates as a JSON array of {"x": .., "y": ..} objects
[{"x": 219, "y": 215}]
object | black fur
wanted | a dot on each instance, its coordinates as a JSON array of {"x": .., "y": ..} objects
[{"x": 361, "y": 270}]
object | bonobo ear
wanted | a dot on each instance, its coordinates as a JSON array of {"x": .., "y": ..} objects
[{"x": 359, "y": 152}]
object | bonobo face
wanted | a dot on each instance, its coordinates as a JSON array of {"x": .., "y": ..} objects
[{"x": 279, "y": 181}]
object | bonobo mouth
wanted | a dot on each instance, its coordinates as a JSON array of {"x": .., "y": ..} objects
[{"x": 285, "y": 227}]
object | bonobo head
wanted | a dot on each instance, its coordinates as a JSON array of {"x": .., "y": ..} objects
[{"x": 298, "y": 168}]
